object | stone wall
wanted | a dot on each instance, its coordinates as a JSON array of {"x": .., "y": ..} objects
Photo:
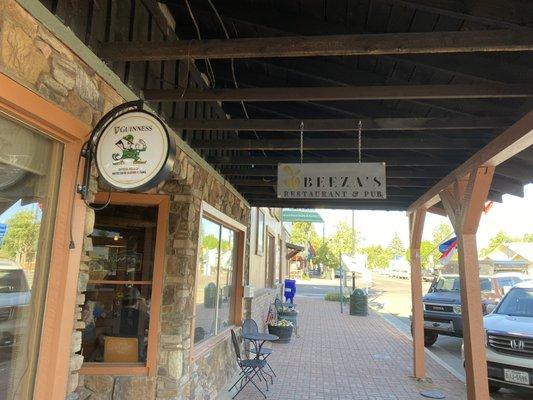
[
  {"x": 178, "y": 377},
  {"x": 33, "y": 56},
  {"x": 257, "y": 307}
]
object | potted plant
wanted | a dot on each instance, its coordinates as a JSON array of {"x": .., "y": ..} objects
[{"x": 282, "y": 329}]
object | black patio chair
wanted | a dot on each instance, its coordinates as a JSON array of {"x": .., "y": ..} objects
[
  {"x": 249, "y": 369},
  {"x": 250, "y": 326}
]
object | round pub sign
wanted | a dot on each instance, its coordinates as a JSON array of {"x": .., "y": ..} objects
[{"x": 134, "y": 152}]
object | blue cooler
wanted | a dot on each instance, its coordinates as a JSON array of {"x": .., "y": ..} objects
[{"x": 290, "y": 290}]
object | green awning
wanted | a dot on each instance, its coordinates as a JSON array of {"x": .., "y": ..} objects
[{"x": 300, "y": 216}]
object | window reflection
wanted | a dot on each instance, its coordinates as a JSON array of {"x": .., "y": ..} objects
[
  {"x": 30, "y": 164},
  {"x": 215, "y": 280}
]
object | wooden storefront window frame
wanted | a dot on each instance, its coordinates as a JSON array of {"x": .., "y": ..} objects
[
  {"x": 150, "y": 367},
  {"x": 53, "y": 362},
  {"x": 211, "y": 213}
]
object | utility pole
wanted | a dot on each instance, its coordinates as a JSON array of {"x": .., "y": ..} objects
[{"x": 353, "y": 232}]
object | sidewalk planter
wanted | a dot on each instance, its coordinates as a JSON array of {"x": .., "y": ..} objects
[
  {"x": 290, "y": 315},
  {"x": 282, "y": 329}
]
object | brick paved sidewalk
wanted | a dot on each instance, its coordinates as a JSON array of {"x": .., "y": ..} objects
[{"x": 341, "y": 357}]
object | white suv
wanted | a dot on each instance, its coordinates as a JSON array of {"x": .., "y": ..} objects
[{"x": 509, "y": 340}]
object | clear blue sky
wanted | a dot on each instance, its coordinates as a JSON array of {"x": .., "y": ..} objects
[{"x": 514, "y": 216}]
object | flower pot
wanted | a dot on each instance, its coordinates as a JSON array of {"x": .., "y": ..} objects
[{"x": 283, "y": 332}]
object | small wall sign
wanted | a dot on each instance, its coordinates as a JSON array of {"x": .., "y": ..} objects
[
  {"x": 134, "y": 152},
  {"x": 332, "y": 181}
]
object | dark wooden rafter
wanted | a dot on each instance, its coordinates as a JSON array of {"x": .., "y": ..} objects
[
  {"x": 312, "y": 46},
  {"x": 511, "y": 14},
  {"x": 345, "y": 124},
  {"x": 515, "y": 139},
  {"x": 396, "y": 161},
  {"x": 421, "y": 143},
  {"x": 395, "y": 92},
  {"x": 273, "y": 23}
]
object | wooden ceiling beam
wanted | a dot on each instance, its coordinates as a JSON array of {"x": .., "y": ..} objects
[
  {"x": 396, "y": 161},
  {"x": 515, "y": 139},
  {"x": 396, "y": 92},
  {"x": 345, "y": 124},
  {"x": 392, "y": 172},
  {"x": 388, "y": 205},
  {"x": 513, "y": 14},
  {"x": 316, "y": 46},
  {"x": 421, "y": 143}
]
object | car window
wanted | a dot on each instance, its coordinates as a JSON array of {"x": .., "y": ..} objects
[
  {"x": 453, "y": 283},
  {"x": 447, "y": 284},
  {"x": 485, "y": 284},
  {"x": 518, "y": 302},
  {"x": 13, "y": 281},
  {"x": 509, "y": 281}
]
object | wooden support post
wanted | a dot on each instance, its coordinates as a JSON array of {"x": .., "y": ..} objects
[
  {"x": 464, "y": 203},
  {"x": 416, "y": 227}
]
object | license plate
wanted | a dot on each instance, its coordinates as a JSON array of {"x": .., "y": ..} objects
[
  {"x": 510, "y": 375},
  {"x": 439, "y": 326}
]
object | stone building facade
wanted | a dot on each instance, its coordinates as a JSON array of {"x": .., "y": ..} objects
[{"x": 37, "y": 59}]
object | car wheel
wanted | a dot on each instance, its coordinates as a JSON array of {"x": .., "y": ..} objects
[
  {"x": 493, "y": 388},
  {"x": 430, "y": 338}
]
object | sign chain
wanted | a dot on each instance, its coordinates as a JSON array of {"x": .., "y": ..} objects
[
  {"x": 359, "y": 133},
  {"x": 301, "y": 142}
]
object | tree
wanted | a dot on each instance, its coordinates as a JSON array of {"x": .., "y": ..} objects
[
  {"x": 343, "y": 240},
  {"x": 378, "y": 256},
  {"x": 303, "y": 232},
  {"x": 396, "y": 246},
  {"x": 495, "y": 241},
  {"x": 21, "y": 236},
  {"x": 326, "y": 257},
  {"x": 442, "y": 233},
  {"x": 528, "y": 237},
  {"x": 209, "y": 242}
]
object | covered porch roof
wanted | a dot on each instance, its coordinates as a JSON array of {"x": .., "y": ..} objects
[{"x": 431, "y": 82}]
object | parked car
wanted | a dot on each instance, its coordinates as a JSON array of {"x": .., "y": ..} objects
[
  {"x": 442, "y": 303},
  {"x": 428, "y": 275},
  {"x": 14, "y": 296},
  {"x": 509, "y": 340}
]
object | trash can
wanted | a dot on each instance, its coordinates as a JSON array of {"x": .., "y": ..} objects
[
  {"x": 210, "y": 295},
  {"x": 358, "y": 302},
  {"x": 290, "y": 290}
]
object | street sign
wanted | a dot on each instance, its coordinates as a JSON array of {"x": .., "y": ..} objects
[
  {"x": 332, "y": 181},
  {"x": 300, "y": 216}
]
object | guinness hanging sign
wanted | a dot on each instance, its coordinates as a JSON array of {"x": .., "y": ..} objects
[{"x": 134, "y": 151}]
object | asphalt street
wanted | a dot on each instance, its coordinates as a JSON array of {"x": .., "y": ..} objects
[{"x": 391, "y": 297}]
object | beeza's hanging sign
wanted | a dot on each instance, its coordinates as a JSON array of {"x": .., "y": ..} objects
[
  {"x": 132, "y": 148},
  {"x": 332, "y": 181}
]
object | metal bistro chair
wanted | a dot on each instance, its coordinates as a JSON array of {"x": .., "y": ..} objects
[
  {"x": 249, "y": 369},
  {"x": 250, "y": 326}
]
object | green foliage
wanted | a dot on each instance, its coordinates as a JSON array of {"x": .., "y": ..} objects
[
  {"x": 334, "y": 296},
  {"x": 209, "y": 242},
  {"x": 528, "y": 237},
  {"x": 343, "y": 240},
  {"x": 495, "y": 241},
  {"x": 326, "y": 257},
  {"x": 396, "y": 246},
  {"x": 442, "y": 233},
  {"x": 378, "y": 256},
  {"x": 303, "y": 232},
  {"x": 22, "y": 235}
]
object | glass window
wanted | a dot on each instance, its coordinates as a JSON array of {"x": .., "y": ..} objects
[
  {"x": 518, "y": 303},
  {"x": 117, "y": 301},
  {"x": 453, "y": 283},
  {"x": 30, "y": 165},
  {"x": 215, "y": 280}
]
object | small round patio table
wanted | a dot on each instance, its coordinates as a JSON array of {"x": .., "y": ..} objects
[{"x": 259, "y": 339}]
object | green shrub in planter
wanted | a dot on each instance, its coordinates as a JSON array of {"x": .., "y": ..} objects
[{"x": 335, "y": 296}]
